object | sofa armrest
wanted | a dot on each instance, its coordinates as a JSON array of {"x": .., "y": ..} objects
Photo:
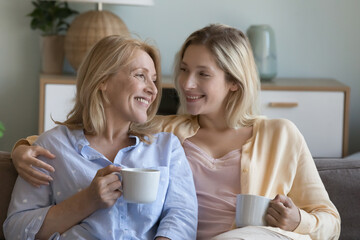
[{"x": 8, "y": 177}]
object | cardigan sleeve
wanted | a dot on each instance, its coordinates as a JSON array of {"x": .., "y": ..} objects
[
  {"x": 319, "y": 217},
  {"x": 25, "y": 141}
]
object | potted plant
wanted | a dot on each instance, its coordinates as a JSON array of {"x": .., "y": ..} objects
[
  {"x": 49, "y": 17},
  {"x": 2, "y": 129}
]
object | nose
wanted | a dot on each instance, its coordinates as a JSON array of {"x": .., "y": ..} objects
[
  {"x": 151, "y": 88},
  {"x": 188, "y": 82}
]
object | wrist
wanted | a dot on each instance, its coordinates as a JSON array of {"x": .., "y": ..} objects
[{"x": 91, "y": 203}]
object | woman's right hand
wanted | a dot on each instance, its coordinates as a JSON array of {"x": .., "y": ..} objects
[
  {"x": 25, "y": 157},
  {"x": 104, "y": 188}
]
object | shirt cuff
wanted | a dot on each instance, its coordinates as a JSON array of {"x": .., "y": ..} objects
[{"x": 307, "y": 223}]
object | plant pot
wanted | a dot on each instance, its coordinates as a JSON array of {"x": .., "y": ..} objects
[{"x": 52, "y": 54}]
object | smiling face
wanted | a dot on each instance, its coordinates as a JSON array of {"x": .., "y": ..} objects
[
  {"x": 203, "y": 82},
  {"x": 132, "y": 90}
]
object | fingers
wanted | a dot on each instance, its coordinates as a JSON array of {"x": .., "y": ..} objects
[
  {"x": 25, "y": 156},
  {"x": 283, "y": 213},
  {"x": 34, "y": 181},
  {"x": 286, "y": 201},
  {"x": 37, "y": 151},
  {"x": 24, "y": 161},
  {"x": 115, "y": 186},
  {"x": 104, "y": 187},
  {"x": 107, "y": 170},
  {"x": 40, "y": 176},
  {"x": 34, "y": 162},
  {"x": 274, "y": 211}
]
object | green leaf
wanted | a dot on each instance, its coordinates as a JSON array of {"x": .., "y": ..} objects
[
  {"x": 49, "y": 16},
  {"x": 2, "y": 129}
]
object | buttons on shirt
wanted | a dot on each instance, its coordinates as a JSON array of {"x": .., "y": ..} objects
[{"x": 245, "y": 170}]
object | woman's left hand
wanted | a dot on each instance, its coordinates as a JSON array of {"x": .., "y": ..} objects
[{"x": 283, "y": 213}]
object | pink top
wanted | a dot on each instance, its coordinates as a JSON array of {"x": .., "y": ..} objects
[{"x": 217, "y": 183}]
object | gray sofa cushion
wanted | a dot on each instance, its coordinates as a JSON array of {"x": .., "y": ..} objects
[{"x": 341, "y": 178}]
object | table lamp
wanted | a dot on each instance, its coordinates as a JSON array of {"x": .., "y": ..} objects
[{"x": 89, "y": 27}]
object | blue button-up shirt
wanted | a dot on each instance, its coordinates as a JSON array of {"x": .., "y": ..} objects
[{"x": 172, "y": 215}]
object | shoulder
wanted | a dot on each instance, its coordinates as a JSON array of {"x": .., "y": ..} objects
[
  {"x": 53, "y": 133},
  {"x": 183, "y": 126},
  {"x": 280, "y": 127},
  {"x": 275, "y": 124},
  {"x": 173, "y": 121},
  {"x": 58, "y": 135}
]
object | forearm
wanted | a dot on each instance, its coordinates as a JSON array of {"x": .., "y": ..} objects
[{"x": 66, "y": 214}]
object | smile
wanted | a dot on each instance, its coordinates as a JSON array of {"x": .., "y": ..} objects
[
  {"x": 193, "y": 97},
  {"x": 143, "y": 100}
]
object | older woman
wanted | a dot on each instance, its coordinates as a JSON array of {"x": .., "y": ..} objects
[{"x": 117, "y": 91}]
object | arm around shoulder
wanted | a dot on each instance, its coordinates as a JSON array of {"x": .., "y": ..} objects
[{"x": 25, "y": 141}]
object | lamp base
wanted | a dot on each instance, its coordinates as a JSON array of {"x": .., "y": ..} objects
[{"x": 87, "y": 29}]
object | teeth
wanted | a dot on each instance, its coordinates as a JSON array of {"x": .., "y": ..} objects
[
  {"x": 142, "y": 100},
  {"x": 193, "y": 97}
]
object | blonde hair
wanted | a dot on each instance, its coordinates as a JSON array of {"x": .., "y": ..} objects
[
  {"x": 232, "y": 52},
  {"x": 102, "y": 62}
]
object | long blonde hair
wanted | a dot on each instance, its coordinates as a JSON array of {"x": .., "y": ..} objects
[
  {"x": 102, "y": 62},
  {"x": 232, "y": 52}
]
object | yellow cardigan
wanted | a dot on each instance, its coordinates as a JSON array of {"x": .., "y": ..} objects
[{"x": 275, "y": 160}]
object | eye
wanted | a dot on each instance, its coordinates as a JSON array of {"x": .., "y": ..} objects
[
  {"x": 182, "y": 69},
  {"x": 140, "y": 76},
  {"x": 204, "y": 74}
]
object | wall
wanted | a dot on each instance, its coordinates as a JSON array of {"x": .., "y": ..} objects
[{"x": 317, "y": 38}]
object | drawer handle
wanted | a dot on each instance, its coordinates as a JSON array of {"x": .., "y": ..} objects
[{"x": 283, "y": 104}]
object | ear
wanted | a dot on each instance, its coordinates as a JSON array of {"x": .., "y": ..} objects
[
  {"x": 103, "y": 85},
  {"x": 234, "y": 87}
]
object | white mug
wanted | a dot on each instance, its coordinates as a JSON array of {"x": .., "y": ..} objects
[
  {"x": 139, "y": 185},
  {"x": 251, "y": 210}
]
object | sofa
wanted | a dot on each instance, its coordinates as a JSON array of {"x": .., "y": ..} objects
[{"x": 341, "y": 178}]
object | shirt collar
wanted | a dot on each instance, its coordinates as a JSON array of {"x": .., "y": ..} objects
[{"x": 82, "y": 145}]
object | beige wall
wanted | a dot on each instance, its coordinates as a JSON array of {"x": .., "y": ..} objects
[{"x": 315, "y": 38}]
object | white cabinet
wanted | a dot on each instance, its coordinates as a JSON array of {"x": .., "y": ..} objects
[{"x": 318, "y": 107}]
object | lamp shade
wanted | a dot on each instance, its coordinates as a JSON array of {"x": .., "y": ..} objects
[
  {"x": 120, "y": 2},
  {"x": 87, "y": 29},
  {"x": 90, "y": 27}
]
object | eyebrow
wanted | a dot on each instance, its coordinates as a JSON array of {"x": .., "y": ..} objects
[{"x": 200, "y": 66}]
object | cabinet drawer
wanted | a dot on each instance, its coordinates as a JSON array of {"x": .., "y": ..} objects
[{"x": 319, "y": 115}]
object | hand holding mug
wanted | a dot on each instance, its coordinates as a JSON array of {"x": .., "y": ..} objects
[
  {"x": 283, "y": 213},
  {"x": 103, "y": 190}
]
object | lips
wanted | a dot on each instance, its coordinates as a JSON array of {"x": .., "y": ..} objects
[
  {"x": 143, "y": 100},
  {"x": 193, "y": 98}
]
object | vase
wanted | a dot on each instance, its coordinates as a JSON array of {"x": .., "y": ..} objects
[
  {"x": 52, "y": 56},
  {"x": 262, "y": 40}
]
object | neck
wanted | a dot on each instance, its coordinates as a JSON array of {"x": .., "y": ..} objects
[
  {"x": 116, "y": 131},
  {"x": 212, "y": 122}
]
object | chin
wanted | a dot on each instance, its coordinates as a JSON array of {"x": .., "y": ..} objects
[
  {"x": 142, "y": 119},
  {"x": 193, "y": 111}
]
